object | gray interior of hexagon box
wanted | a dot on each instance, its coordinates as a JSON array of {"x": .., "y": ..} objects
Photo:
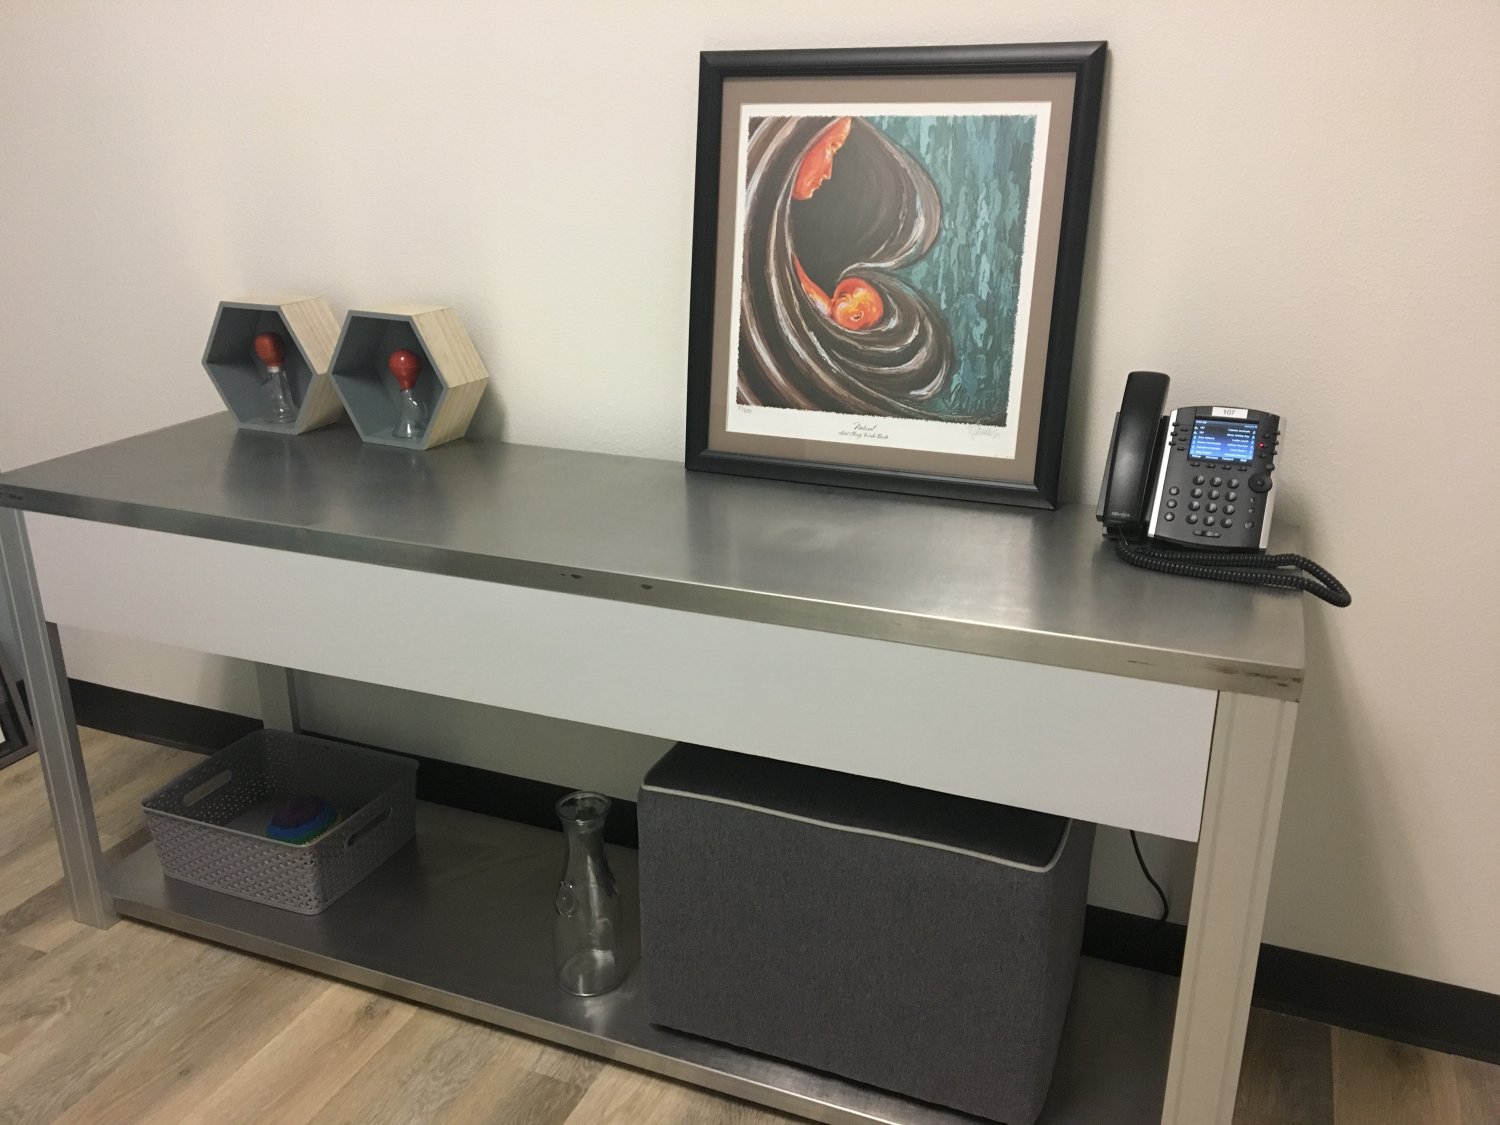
[
  {"x": 240, "y": 376},
  {"x": 361, "y": 369}
]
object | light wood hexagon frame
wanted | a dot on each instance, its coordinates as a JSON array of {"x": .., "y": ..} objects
[{"x": 450, "y": 385}]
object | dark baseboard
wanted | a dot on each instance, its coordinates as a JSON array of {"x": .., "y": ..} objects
[
  {"x": 1426, "y": 1013},
  {"x": 503, "y": 795},
  {"x": 1131, "y": 939},
  {"x": 166, "y": 721},
  {"x": 206, "y": 731}
]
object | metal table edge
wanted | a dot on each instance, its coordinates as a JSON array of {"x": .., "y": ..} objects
[{"x": 1141, "y": 662}]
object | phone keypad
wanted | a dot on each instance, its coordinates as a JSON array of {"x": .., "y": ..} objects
[{"x": 1227, "y": 517}]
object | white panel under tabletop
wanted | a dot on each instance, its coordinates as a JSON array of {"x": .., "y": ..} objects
[{"x": 1111, "y": 749}]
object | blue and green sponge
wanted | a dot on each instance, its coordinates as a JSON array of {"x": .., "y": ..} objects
[{"x": 301, "y": 820}]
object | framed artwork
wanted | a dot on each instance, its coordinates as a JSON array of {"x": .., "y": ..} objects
[
  {"x": 887, "y": 252},
  {"x": 15, "y": 726}
]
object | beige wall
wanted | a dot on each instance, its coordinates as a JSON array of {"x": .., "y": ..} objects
[{"x": 1295, "y": 209}]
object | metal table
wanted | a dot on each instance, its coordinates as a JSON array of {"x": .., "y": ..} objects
[{"x": 999, "y": 653}]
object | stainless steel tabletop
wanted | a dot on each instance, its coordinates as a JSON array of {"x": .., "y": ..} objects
[{"x": 1027, "y": 585}]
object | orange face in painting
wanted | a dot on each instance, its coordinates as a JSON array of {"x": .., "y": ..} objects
[
  {"x": 856, "y": 304},
  {"x": 817, "y": 165}
]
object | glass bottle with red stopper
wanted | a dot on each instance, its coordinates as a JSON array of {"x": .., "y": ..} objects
[
  {"x": 411, "y": 415},
  {"x": 270, "y": 349}
]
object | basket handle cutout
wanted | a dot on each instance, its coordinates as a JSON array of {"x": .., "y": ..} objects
[
  {"x": 367, "y": 827},
  {"x": 212, "y": 785}
]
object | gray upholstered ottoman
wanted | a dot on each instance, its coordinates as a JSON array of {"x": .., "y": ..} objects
[{"x": 911, "y": 940}]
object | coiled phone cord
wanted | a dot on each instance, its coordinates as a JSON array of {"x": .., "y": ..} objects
[{"x": 1249, "y": 568}]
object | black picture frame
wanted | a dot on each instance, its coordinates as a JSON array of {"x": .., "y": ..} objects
[
  {"x": 16, "y": 741},
  {"x": 713, "y": 314}
]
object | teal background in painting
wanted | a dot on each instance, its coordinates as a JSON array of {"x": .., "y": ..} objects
[{"x": 982, "y": 168}]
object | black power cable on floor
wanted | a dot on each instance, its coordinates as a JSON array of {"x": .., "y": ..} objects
[{"x": 1156, "y": 925}]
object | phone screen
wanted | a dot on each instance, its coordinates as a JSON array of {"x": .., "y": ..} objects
[{"x": 1214, "y": 440}]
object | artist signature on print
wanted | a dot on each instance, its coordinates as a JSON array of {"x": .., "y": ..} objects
[{"x": 865, "y": 431}]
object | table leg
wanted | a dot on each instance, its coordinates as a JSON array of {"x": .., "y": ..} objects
[
  {"x": 278, "y": 697},
  {"x": 1241, "y": 814},
  {"x": 56, "y": 729}
]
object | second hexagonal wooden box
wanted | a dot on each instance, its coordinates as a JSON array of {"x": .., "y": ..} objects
[{"x": 434, "y": 355}]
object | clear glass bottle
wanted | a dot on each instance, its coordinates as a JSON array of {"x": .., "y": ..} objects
[
  {"x": 279, "y": 393},
  {"x": 411, "y": 418},
  {"x": 587, "y": 928},
  {"x": 270, "y": 349}
]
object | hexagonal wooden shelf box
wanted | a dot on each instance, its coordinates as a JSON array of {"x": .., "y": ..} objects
[
  {"x": 450, "y": 377},
  {"x": 308, "y": 330}
]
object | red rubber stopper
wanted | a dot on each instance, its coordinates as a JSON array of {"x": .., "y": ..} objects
[
  {"x": 270, "y": 348},
  {"x": 405, "y": 365}
]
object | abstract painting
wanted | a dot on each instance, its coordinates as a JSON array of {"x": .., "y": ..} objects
[
  {"x": 881, "y": 267},
  {"x": 888, "y": 247}
]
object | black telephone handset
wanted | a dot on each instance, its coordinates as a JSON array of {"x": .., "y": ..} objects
[{"x": 1201, "y": 480}]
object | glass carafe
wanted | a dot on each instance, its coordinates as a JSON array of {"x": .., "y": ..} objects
[{"x": 587, "y": 931}]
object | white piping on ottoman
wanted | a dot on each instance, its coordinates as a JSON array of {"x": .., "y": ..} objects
[{"x": 1051, "y": 863}]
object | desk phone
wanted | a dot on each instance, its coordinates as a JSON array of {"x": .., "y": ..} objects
[{"x": 1192, "y": 492}]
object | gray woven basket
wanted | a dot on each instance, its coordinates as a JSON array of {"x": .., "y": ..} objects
[{"x": 209, "y": 825}]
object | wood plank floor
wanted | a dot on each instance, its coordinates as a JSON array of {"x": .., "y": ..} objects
[{"x": 135, "y": 1024}]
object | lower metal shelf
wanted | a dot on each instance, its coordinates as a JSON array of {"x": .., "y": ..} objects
[{"x": 461, "y": 920}]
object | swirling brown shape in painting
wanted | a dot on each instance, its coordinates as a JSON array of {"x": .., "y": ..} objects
[{"x": 832, "y": 208}]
